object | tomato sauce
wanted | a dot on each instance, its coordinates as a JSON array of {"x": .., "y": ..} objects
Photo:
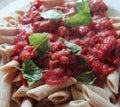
[{"x": 98, "y": 40}]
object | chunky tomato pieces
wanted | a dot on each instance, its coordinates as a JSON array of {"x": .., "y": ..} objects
[{"x": 100, "y": 47}]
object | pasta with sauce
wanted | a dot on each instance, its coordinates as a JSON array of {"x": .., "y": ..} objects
[{"x": 60, "y": 53}]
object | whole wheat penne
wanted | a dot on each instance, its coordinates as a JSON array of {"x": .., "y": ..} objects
[
  {"x": 5, "y": 90},
  {"x": 95, "y": 99},
  {"x": 12, "y": 23},
  {"x": 6, "y": 51},
  {"x": 10, "y": 67},
  {"x": 76, "y": 93},
  {"x": 60, "y": 96},
  {"x": 110, "y": 94},
  {"x": 113, "y": 81},
  {"x": 115, "y": 19},
  {"x": 118, "y": 33},
  {"x": 8, "y": 31},
  {"x": 79, "y": 85},
  {"x": 79, "y": 103},
  {"x": 20, "y": 12},
  {"x": 116, "y": 26},
  {"x": 21, "y": 92},
  {"x": 27, "y": 102},
  {"x": 99, "y": 91},
  {"x": 43, "y": 91},
  {"x": 6, "y": 39}
]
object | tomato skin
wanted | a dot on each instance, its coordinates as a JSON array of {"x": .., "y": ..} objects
[{"x": 23, "y": 80}]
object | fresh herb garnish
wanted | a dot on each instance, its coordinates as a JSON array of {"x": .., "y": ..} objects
[
  {"x": 81, "y": 61},
  {"x": 53, "y": 14},
  {"x": 41, "y": 43},
  {"x": 83, "y": 17},
  {"x": 76, "y": 49},
  {"x": 31, "y": 72},
  {"x": 87, "y": 77}
]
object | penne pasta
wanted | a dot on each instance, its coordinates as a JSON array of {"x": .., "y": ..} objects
[
  {"x": 115, "y": 19},
  {"x": 26, "y": 103},
  {"x": 6, "y": 39},
  {"x": 113, "y": 81},
  {"x": 10, "y": 67},
  {"x": 79, "y": 103},
  {"x": 116, "y": 26},
  {"x": 8, "y": 31},
  {"x": 21, "y": 92},
  {"x": 60, "y": 96},
  {"x": 76, "y": 94},
  {"x": 5, "y": 89},
  {"x": 95, "y": 99},
  {"x": 100, "y": 91},
  {"x": 43, "y": 91},
  {"x": 6, "y": 51},
  {"x": 110, "y": 94}
]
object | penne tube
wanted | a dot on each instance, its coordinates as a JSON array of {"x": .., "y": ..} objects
[
  {"x": 11, "y": 31},
  {"x": 20, "y": 12},
  {"x": 113, "y": 81},
  {"x": 115, "y": 19},
  {"x": 27, "y": 102},
  {"x": 8, "y": 18},
  {"x": 6, "y": 52},
  {"x": 10, "y": 67},
  {"x": 43, "y": 91},
  {"x": 21, "y": 92},
  {"x": 60, "y": 96},
  {"x": 76, "y": 94},
  {"x": 17, "y": 78},
  {"x": 94, "y": 98},
  {"x": 79, "y": 103},
  {"x": 79, "y": 85},
  {"x": 6, "y": 39},
  {"x": 110, "y": 94},
  {"x": 12, "y": 23},
  {"x": 118, "y": 33},
  {"x": 5, "y": 90},
  {"x": 116, "y": 26},
  {"x": 99, "y": 91}
]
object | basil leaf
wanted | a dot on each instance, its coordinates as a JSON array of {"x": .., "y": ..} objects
[
  {"x": 81, "y": 61},
  {"x": 83, "y": 17},
  {"x": 53, "y": 15},
  {"x": 41, "y": 43},
  {"x": 31, "y": 72},
  {"x": 73, "y": 47},
  {"x": 82, "y": 6},
  {"x": 87, "y": 77}
]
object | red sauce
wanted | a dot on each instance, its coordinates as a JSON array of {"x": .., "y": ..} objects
[{"x": 98, "y": 40}]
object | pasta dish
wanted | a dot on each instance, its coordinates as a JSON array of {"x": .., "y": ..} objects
[{"x": 60, "y": 53}]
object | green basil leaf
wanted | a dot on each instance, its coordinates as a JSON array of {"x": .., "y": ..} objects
[
  {"x": 76, "y": 50},
  {"x": 83, "y": 17},
  {"x": 82, "y": 6},
  {"x": 87, "y": 77},
  {"x": 31, "y": 72},
  {"x": 53, "y": 15},
  {"x": 81, "y": 61},
  {"x": 41, "y": 43}
]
